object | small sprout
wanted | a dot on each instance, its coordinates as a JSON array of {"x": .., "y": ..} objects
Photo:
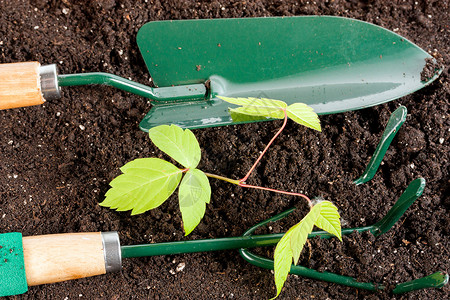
[{"x": 146, "y": 183}]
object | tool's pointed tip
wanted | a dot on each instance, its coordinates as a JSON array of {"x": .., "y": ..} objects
[{"x": 358, "y": 181}]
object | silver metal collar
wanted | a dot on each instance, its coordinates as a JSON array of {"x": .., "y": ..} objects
[
  {"x": 111, "y": 250},
  {"x": 49, "y": 82}
]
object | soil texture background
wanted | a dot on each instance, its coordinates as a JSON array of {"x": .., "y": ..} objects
[{"x": 57, "y": 159}]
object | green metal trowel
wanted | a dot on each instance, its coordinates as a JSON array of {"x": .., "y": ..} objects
[{"x": 333, "y": 64}]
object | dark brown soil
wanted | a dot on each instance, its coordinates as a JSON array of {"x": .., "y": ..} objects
[{"x": 57, "y": 159}]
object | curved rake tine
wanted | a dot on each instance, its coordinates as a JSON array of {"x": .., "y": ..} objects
[
  {"x": 412, "y": 192},
  {"x": 435, "y": 280},
  {"x": 396, "y": 120}
]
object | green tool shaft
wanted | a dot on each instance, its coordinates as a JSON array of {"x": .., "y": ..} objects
[
  {"x": 171, "y": 248},
  {"x": 176, "y": 93},
  {"x": 199, "y": 245}
]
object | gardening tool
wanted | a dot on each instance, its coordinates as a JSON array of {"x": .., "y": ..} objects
[
  {"x": 396, "y": 120},
  {"x": 35, "y": 260},
  {"x": 333, "y": 64},
  {"x": 412, "y": 192}
]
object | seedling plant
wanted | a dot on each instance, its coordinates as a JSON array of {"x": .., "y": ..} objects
[{"x": 147, "y": 182}]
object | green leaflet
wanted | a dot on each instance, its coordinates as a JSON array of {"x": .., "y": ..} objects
[
  {"x": 324, "y": 215},
  {"x": 193, "y": 194},
  {"x": 300, "y": 232},
  {"x": 238, "y": 117},
  {"x": 257, "y": 111},
  {"x": 303, "y": 115},
  {"x": 145, "y": 184},
  {"x": 251, "y": 101},
  {"x": 258, "y": 107},
  {"x": 328, "y": 219},
  {"x": 291, "y": 246},
  {"x": 179, "y": 144},
  {"x": 274, "y": 109},
  {"x": 282, "y": 261}
]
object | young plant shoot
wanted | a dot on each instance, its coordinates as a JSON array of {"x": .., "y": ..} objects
[{"x": 147, "y": 182}]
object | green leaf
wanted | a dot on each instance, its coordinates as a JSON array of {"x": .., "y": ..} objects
[
  {"x": 251, "y": 101},
  {"x": 179, "y": 144},
  {"x": 145, "y": 184},
  {"x": 303, "y": 115},
  {"x": 298, "y": 112},
  {"x": 328, "y": 219},
  {"x": 258, "y": 107},
  {"x": 193, "y": 194},
  {"x": 300, "y": 233},
  {"x": 290, "y": 246},
  {"x": 324, "y": 215},
  {"x": 257, "y": 111},
  {"x": 282, "y": 261},
  {"x": 238, "y": 117}
]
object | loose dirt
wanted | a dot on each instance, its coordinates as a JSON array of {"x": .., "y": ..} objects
[{"x": 57, "y": 159}]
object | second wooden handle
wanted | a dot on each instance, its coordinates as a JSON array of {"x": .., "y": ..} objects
[
  {"x": 20, "y": 85},
  {"x": 60, "y": 257}
]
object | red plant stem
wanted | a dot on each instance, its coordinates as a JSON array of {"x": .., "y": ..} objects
[
  {"x": 274, "y": 190},
  {"x": 265, "y": 149},
  {"x": 241, "y": 182}
]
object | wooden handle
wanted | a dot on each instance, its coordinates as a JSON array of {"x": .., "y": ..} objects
[
  {"x": 20, "y": 85},
  {"x": 60, "y": 257}
]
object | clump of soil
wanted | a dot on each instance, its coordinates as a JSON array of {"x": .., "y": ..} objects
[
  {"x": 57, "y": 159},
  {"x": 430, "y": 69}
]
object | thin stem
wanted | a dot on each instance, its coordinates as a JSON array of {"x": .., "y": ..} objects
[
  {"x": 265, "y": 149},
  {"x": 241, "y": 182},
  {"x": 275, "y": 191},
  {"x": 233, "y": 181}
]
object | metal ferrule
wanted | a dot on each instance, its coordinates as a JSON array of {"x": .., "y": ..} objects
[
  {"x": 112, "y": 252},
  {"x": 49, "y": 82}
]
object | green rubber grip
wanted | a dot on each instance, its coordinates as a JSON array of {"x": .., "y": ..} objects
[{"x": 12, "y": 265}]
